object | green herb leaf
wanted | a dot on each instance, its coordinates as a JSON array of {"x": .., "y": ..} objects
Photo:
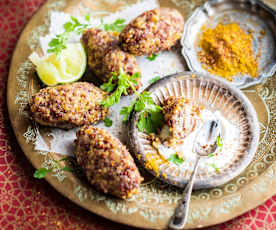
[
  {"x": 64, "y": 159},
  {"x": 41, "y": 173},
  {"x": 144, "y": 123},
  {"x": 219, "y": 141},
  {"x": 117, "y": 26},
  {"x": 123, "y": 82},
  {"x": 214, "y": 166},
  {"x": 68, "y": 169},
  {"x": 107, "y": 122},
  {"x": 58, "y": 43},
  {"x": 87, "y": 17},
  {"x": 152, "y": 57},
  {"x": 151, "y": 118},
  {"x": 211, "y": 155},
  {"x": 68, "y": 26},
  {"x": 126, "y": 111},
  {"x": 109, "y": 86},
  {"x": 154, "y": 79},
  {"x": 175, "y": 159}
]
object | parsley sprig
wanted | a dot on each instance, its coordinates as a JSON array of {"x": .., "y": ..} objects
[
  {"x": 42, "y": 172},
  {"x": 108, "y": 122},
  {"x": 58, "y": 43},
  {"x": 150, "y": 116},
  {"x": 118, "y": 25},
  {"x": 213, "y": 165},
  {"x": 176, "y": 159},
  {"x": 219, "y": 142},
  {"x": 155, "y": 79},
  {"x": 152, "y": 57},
  {"x": 122, "y": 82}
]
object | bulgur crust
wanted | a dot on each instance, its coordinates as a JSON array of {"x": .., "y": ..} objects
[
  {"x": 97, "y": 44},
  {"x": 67, "y": 106},
  {"x": 152, "y": 31},
  {"x": 107, "y": 163},
  {"x": 181, "y": 117},
  {"x": 105, "y": 56}
]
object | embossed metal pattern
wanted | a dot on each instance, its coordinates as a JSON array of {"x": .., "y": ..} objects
[
  {"x": 153, "y": 206},
  {"x": 251, "y": 16}
]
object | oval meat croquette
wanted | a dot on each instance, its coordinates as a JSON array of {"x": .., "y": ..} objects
[
  {"x": 152, "y": 31},
  {"x": 67, "y": 106},
  {"x": 106, "y": 162},
  {"x": 97, "y": 44},
  {"x": 105, "y": 56}
]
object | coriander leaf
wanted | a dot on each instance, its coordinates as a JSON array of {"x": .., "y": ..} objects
[
  {"x": 157, "y": 119},
  {"x": 211, "y": 155},
  {"x": 87, "y": 17},
  {"x": 214, "y": 166},
  {"x": 144, "y": 123},
  {"x": 64, "y": 159},
  {"x": 135, "y": 76},
  {"x": 67, "y": 169},
  {"x": 109, "y": 86},
  {"x": 152, "y": 57},
  {"x": 75, "y": 20},
  {"x": 54, "y": 42},
  {"x": 117, "y": 26},
  {"x": 219, "y": 141},
  {"x": 126, "y": 111},
  {"x": 175, "y": 159},
  {"x": 58, "y": 43},
  {"x": 139, "y": 105},
  {"x": 68, "y": 26},
  {"x": 107, "y": 122},
  {"x": 119, "y": 21},
  {"x": 41, "y": 173},
  {"x": 151, "y": 117},
  {"x": 124, "y": 82},
  {"x": 154, "y": 79}
]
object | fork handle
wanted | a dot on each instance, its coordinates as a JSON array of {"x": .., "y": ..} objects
[{"x": 180, "y": 215}]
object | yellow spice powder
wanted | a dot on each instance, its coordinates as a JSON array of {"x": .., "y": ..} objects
[
  {"x": 227, "y": 51},
  {"x": 153, "y": 161}
]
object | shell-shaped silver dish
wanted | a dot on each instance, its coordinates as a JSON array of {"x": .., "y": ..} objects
[
  {"x": 251, "y": 15},
  {"x": 216, "y": 94}
]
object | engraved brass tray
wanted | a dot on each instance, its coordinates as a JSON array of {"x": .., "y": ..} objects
[{"x": 154, "y": 205}]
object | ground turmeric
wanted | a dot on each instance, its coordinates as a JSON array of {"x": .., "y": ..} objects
[{"x": 227, "y": 51}]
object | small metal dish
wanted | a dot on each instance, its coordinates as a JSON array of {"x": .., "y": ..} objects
[
  {"x": 217, "y": 95},
  {"x": 251, "y": 15}
]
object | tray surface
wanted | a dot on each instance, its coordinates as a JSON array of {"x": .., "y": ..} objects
[{"x": 155, "y": 203}]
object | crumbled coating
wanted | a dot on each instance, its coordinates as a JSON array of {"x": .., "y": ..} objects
[
  {"x": 105, "y": 56},
  {"x": 181, "y": 117},
  {"x": 67, "y": 106},
  {"x": 97, "y": 44},
  {"x": 152, "y": 31},
  {"x": 107, "y": 163}
]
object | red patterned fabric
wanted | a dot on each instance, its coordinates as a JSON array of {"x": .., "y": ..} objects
[{"x": 27, "y": 203}]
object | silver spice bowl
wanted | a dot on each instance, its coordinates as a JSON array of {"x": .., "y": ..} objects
[{"x": 251, "y": 15}]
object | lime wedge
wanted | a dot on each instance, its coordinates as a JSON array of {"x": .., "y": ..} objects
[{"x": 68, "y": 66}]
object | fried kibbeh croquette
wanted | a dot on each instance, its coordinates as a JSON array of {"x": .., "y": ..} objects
[
  {"x": 181, "y": 118},
  {"x": 152, "y": 31},
  {"x": 105, "y": 56},
  {"x": 106, "y": 162},
  {"x": 68, "y": 106},
  {"x": 97, "y": 44}
]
